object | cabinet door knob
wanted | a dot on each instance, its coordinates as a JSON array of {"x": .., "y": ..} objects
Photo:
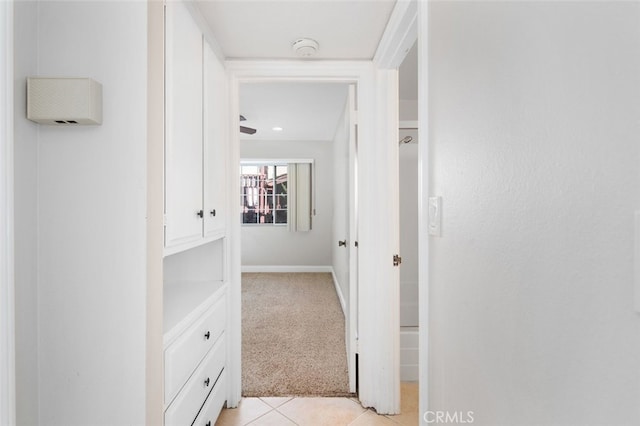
[
  {"x": 207, "y": 335},
  {"x": 206, "y": 382},
  {"x": 342, "y": 243},
  {"x": 200, "y": 213},
  {"x": 208, "y": 423},
  {"x": 212, "y": 212}
]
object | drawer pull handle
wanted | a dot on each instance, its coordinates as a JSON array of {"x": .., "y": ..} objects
[
  {"x": 207, "y": 335},
  {"x": 206, "y": 383}
]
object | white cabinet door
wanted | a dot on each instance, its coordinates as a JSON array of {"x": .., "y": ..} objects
[
  {"x": 183, "y": 131},
  {"x": 215, "y": 141}
]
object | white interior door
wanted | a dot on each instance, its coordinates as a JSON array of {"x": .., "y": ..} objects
[{"x": 378, "y": 272}]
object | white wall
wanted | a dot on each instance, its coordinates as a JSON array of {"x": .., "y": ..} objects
[
  {"x": 7, "y": 228},
  {"x": 408, "y": 178},
  {"x": 276, "y": 245},
  {"x": 26, "y": 212},
  {"x": 340, "y": 231},
  {"x": 202, "y": 263},
  {"x": 534, "y": 143},
  {"x": 408, "y": 109},
  {"x": 408, "y": 194},
  {"x": 88, "y": 210}
]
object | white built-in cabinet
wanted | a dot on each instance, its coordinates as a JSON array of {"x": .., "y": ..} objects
[
  {"x": 194, "y": 352},
  {"x": 215, "y": 139},
  {"x": 195, "y": 135},
  {"x": 195, "y": 289}
]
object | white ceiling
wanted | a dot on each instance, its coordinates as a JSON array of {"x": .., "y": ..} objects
[
  {"x": 305, "y": 111},
  {"x": 266, "y": 29}
]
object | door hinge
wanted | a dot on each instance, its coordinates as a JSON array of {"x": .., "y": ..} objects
[
  {"x": 397, "y": 260},
  {"x": 164, "y": 220}
]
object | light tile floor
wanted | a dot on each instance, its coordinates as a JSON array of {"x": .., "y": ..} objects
[{"x": 306, "y": 411}]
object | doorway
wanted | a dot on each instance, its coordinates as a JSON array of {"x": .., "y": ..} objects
[
  {"x": 377, "y": 344},
  {"x": 294, "y": 150},
  {"x": 409, "y": 207}
]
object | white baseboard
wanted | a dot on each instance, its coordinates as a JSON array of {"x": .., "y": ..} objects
[
  {"x": 339, "y": 292},
  {"x": 286, "y": 268}
]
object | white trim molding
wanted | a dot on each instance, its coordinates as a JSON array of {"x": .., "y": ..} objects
[
  {"x": 409, "y": 125},
  {"x": 399, "y": 36},
  {"x": 340, "y": 295},
  {"x": 379, "y": 340},
  {"x": 423, "y": 210},
  {"x": 7, "y": 285}
]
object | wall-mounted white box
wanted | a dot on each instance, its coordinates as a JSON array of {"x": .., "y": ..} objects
[{"x": 64, "y": 101}]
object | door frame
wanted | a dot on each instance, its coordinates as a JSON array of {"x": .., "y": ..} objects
[
  {"x": 409, "y": 23},
  {"x": 352, "y": 240},
  {"x": 7, "y": 284},
  {"x": 423, "y": 210},
  {"x": 378, "y": 300}
]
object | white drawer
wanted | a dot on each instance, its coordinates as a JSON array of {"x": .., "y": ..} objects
[
  {"x": 212, "y": 407},
  {"x": 185, "y": 353},
  {"x": 184, "y": 408}
]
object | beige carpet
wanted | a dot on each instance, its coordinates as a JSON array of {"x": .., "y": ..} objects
[{"x": 292, "y": 336}]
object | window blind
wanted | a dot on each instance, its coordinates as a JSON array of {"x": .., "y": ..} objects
[{"x": 299, "y": 207}]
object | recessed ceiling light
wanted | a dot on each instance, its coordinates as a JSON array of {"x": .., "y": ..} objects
[{"x": 277, "y": 129}]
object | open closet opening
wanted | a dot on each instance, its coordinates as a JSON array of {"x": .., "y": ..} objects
[{"x": 408, "y": 216}]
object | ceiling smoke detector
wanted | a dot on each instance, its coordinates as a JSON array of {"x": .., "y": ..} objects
[{"x": 305, "y": 47}]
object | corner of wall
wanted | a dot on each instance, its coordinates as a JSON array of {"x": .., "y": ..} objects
[{"x": 26, "y": 133}]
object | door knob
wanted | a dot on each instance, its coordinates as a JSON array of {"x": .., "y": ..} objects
[{"x": 342, "y": 243}]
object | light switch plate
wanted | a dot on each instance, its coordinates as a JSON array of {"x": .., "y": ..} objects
[{"x": 435, "y": 216}]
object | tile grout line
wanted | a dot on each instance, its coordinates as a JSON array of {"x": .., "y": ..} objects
[
  {"x": 360, "y": 415},
  {"x": 278, "y": 411},
  {"x": 282, "y": 405},
  {"x": 394, "y": 421},
  {"x": 285, "y": 416},
  {"x": 261, "y": 415}
]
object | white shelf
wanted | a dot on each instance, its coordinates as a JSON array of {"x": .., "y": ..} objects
[
  {"x": 184, "y": 302},
  {"x": 179, "y": 248}
]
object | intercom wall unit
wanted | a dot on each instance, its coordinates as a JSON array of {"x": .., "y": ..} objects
[{"x": 64, "y": 101}]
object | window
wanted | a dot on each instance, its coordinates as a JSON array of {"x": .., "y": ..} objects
[{"x": 264, "y": 196}]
